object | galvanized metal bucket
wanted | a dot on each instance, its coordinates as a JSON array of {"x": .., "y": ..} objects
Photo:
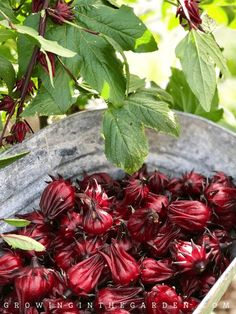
[{"x": 75, "y": 145}]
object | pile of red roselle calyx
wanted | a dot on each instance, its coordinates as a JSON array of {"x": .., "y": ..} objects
[{"x": 143, "y": 244}]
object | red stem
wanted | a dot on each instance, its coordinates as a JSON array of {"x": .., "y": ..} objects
[{"x": 29, "y": 71}]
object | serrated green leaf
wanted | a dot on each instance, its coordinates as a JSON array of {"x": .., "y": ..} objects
[
  {"x": 17, "y": 222},
  {"x": 151, "y": 112},
  {"x": 44, "y": 104},
  {"x": 97, "y": 61},
  {"x": 47, "y": 45},
  {"x": 6, "y": 161},
  {"x": 136, "y": 83},
  {"x": 122, "y": 25},
  {"x": 22, "y": 242},
  {"x": 198, "y": 67},
  {"x": 125, "y": 142},
  {"x": 184, "y": 99},
  {"x": 7, "y": 73}
]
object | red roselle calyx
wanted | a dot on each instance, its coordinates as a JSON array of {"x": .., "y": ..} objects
[
  {"x": 117, "y": 296},
  {"x": 57, "y": 198},
  {"x": 144, "y": 224},
  {"x": 162, "y": 242},
  {"x": 189, "y": 257},
  {"x": 189, "y": 14},
  {"x": 96, "y": 221},
  {"x": 189, "y": 215},
  {"x": 158, "y": 203},
  {"x": 37, "y": 5},
  {"x": 85, "y": 247},
  {"x": 153, "y": 271},
  {"x": 124, "y": 269},
  {"x": 221, "y": 178},
  {"x": 157, "y": 182},
  {"x": 10, "y": 263},
  {"x": 19, "y": 86},
  {"x": 193, "y": 183},
  {"x": 19, "y": 131},
  {"x": 61, "y": 12},
  {"x": 163, "y": 294},
  {"x": 44, "y": 63},
  {"x": 34, "y": 283},
  {"x": 7, "y": 104},
  {"x": 136, "y": 191},
  {"x": 220, "y": 195},
  {"x": 84, "y": 276},
  {"x": 70, "y": 224}
]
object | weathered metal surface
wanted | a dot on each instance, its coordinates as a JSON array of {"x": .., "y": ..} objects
[{"x": 75, "y": 145}]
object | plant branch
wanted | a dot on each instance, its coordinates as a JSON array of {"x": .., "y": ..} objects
[{"x": 29, "y": 71}]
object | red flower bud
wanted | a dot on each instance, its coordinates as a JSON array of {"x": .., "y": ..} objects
[
  {"x": 115, "y": 297},
  {"x": 34, "y": 284},
  {"x": 19, "y": 131},
  {"x": 189, "y": 305},
  {"x": 95, "y": 194},
  {"x": 176, "y": 187},
  {"x": 7, "y": 104},
  {"x": 193, "y": 183},
  {"x": 225, "y": 217},
  {"x": 157, "y": 202},
  {"x": 96, "y": 220},
  {"x": 153, "y": 271},
  {"x": 189, "y": 215},
  {"x": 124, "y": 269},
  {"x": 61, "y": 12},
  {"x": 206, "y": 282},
  {"x": 189, "y": 285},
  {"x": 57, "y": 198},
  {"x": 223, "y": 179},
  {"x": 163, "y": 294},
  {"x": 136, "y": 191},
  {"x": 43, "y": 61},
  {"x": 157, "y": 182},
  {"x": 37, "y": 5},
  {"x": 102, "y": 178},
  {"x": 220, "y": 195},
  {"x": 66, "y": 257},
  {"x": 84, "y": 276},
  {"x": 189, "y": 257},
  {"x": 19, "y": 86},
  {"x": 189, "y": 14},
  {"x": 162, "y": 242},
  {"x": 144, "y": 224},
  {"x": 86, "y": 247},
  {"x": 10, "y": 263},
  {"x": 69, "y": 224}
]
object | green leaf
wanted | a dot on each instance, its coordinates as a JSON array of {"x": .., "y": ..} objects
[
  {"x": 185, "y": 100},
  {"x": 47, "y": 45},
  {"x": 122, "y": 25},
  {"x": 123, "y": 128},
  {"x": 7, "y": 73},
  {"x": 6, "y": 161},
  {"x": 44, "y": 104},
  {"x": 136, "y": 83},
  {"x": 151, "y": 112},
  {"x": 97, "y": 61},
  {"x": 6, "y": 34},
  {"x": 22, "y": 242},
  {"x": 198, "y": 54},
  {"x": 6, "y": 9},
  {"x": 125, "y": 142},
  {"x": 17, "y": 222}
]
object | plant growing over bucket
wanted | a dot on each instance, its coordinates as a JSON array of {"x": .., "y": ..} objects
[{"x": 81, "y": 46}]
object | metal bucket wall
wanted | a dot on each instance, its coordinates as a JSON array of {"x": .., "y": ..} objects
[{"x": 75, "y": 145}]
